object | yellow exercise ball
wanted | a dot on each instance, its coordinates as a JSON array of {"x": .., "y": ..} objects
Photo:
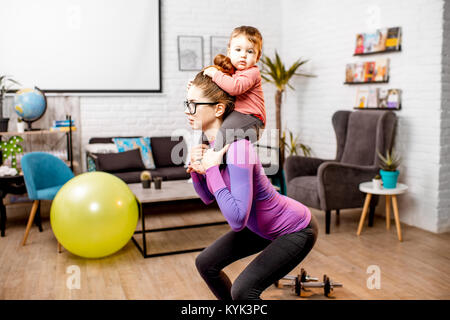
[{"x": 94, "y": 214}]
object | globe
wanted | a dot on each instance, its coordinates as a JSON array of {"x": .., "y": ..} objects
[{"x": 30, "y": 104}]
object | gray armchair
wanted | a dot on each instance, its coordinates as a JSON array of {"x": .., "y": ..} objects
[{"x": 333, "y": 184}]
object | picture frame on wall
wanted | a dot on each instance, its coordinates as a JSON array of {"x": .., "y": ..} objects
[
  {"x": 218, "y": 44},
  {"x": 190, "y": 53}
]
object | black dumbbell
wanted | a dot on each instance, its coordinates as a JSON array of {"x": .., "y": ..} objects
[
  {"x": 303, "y": 281},
  {"x": 296, "y": 281},
  {"x": 327, "y": 285}
]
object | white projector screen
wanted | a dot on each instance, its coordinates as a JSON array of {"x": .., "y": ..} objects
[{"x": 82, "y": 45}]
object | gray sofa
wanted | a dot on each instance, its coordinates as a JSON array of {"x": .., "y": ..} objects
[
  {"x": 128, "y": 165},
  {"x": 334, "y": 184}
]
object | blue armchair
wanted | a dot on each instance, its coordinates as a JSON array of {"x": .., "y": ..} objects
[{"x": 44, "y": 175}]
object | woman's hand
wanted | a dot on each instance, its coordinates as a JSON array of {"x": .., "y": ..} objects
[
  {"x": 212, "y": 158},
  {"x": 196, "y": 158},
  {"x": 210, "y": 72}
]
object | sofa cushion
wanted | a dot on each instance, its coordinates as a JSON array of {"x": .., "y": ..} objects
[
  {"x": 168, "y": 151},
  {"x": 171, "y": 173},
  {"x": 129, "y": 176},
  {"x": 143, "y": 144},
  {"x": 120, "y": 162},
  {"x": 168, "y": 173},
  {"x": 305, "y": 189}
]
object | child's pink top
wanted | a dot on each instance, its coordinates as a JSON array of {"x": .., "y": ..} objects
[{"x": 245, "y": 85}]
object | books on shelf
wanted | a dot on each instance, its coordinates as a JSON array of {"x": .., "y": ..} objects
[
  {"x": 63, "y": 129},
  {"x": 394, "y": 39},
  {"x": 394, "y": 98},
  {"x": 370, "y": 40},
  {"x": 381, "y": 69},
  {"x": 349, "y": 68},
  {"x": 362, "y": 95},
  {"x": 380, "y": 98},
  {"x": 369, "y": 71},
  {"x": 380, "y": 42},
  {"x": 63, "y": 123},
  {"x": 383, "y": 39},
  {"x": 372, "y": 98},
  {"x": 359, "y": 43},
  {"x": 358, "y": 72}
]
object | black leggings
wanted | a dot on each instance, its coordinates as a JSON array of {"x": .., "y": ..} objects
[{"x": 278, "y": 258}]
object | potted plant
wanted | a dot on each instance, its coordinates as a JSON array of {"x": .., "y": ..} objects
[
  {"x": 389, "y": 169},
  {"x": 20, "y": 125},
  {"x": 11, "y": 148},
  {"x": 293, "y": 144},
  {"x": 146, "y": 178},
  {"x": 6, "y": 82},
  {"x": 274, "y": 71},
  {"x": 377, "y": 183}
]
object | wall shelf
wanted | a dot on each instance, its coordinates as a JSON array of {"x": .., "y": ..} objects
[
  {"x": 378, "y": 52},
  {"x": 385, "y": 109},
  {"x": 363, "y": 83}
]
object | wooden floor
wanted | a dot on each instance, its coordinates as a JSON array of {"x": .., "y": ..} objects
[{"x": 417, "y": 268}]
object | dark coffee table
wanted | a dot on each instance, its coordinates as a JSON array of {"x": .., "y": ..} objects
[
  {"x": 175, "y": 190},
  {"x": 13, "y": 185}
]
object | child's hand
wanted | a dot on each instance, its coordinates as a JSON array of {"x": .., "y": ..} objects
[
  {"x": 210, "y": 72},
  {"x": 212, "y": 158},
  {"x": 189, "y": 85},
  {"x": 196, "y": 167}
]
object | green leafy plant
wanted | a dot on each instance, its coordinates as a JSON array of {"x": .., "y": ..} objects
[
  {"x": 390, "y": 162},
  {"x": 293, "y": 144},
  {"x": 275, "y": 72},
  {"x": 6, "y": 83},
  {"x": 11, "y": 148},
  {"x": 377, "y": 177}
]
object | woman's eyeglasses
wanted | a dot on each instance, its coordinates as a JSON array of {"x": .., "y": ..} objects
[{"x": 192, "y": 106}]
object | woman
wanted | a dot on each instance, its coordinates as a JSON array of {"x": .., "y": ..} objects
[{"x": 280, "y": 228}]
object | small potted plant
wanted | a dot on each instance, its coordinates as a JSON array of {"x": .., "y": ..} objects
[
  {"x": 6, "y": 82},
  {"x": 389, "y": 169},
  {"x": 20, "y": 125},
  {"x": 376, "y": 182},
  {"x": 146, "y": 178}
]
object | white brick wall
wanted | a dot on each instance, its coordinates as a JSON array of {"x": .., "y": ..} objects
[
  {"x": 325, "y": 33},
  {"x": 161, "y": 114}
]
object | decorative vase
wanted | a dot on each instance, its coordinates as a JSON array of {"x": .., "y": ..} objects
[
  {"x": 21, "y": 126},
  {"x": 376, "y": 184},
  {"x": 389, "y": 178},
  {"x": 146, "y": 184},
  {"x": 157, "y": 181}
]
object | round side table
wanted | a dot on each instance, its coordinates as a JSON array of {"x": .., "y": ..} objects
[{"x": 367, "y": 187}]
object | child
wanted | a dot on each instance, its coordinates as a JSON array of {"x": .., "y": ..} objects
[{"x": 249, "y": 115}]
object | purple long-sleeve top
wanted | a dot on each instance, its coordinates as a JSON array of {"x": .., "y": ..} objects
[{"x": 247, "y": 198}]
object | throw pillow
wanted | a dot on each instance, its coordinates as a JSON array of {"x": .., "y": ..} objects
[
  {"x": 143, "y": 144},
  {"x": 120, "y": 162}
]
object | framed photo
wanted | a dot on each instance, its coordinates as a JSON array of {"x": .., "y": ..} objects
[
  {"x": 218, "y": 45},
  {"x": 190, "y": 53}
]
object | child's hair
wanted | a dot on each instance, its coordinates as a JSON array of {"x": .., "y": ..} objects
[{"x": 253, "y": 35}]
